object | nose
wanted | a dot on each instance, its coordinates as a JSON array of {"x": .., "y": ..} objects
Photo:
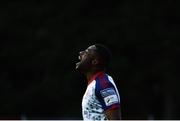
[{"x": 81, "y": 53}]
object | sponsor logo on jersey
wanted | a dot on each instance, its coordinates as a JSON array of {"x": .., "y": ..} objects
[
  {"x": 110, "y": 96},
  {"x": 107, "y": 92},
  {"x": 112, "y": 99}
]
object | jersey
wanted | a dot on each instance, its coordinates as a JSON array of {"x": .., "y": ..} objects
[{"x": 101, "y": 94}]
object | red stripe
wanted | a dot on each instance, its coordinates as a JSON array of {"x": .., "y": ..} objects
[{"x": 112, "y": 107}]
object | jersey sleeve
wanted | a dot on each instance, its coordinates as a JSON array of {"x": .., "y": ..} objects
[{"x": 106, "y": 93}]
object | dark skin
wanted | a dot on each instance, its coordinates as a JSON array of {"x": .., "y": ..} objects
[{"x": 89, "y": 65}]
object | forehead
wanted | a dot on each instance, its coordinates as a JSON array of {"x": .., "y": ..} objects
[{"x": 91, "y": 49}]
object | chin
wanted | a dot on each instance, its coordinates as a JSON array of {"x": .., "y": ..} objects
[
  {"x": 77, "y": 65},
  {"x": 77, "y": 68}
]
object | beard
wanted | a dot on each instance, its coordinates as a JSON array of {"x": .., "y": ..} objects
[{"x": 83, "y": 66}]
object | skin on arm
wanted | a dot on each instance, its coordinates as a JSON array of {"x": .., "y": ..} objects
[{"x": 113, "y": 114}]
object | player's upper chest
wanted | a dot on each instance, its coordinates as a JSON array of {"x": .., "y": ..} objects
[{"x": 90, "y": 91}]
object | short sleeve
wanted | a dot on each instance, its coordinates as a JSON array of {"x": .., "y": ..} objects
[{"x": 106, "y": 93}]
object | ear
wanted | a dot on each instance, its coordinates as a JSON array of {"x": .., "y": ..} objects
[{"x": 95, "y": 62}]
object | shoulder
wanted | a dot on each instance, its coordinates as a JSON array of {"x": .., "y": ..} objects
[
  {"x": 104, "y": 81},
  {"x": 106, "y": 92}
]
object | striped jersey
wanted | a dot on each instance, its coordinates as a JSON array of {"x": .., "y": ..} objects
[{"x": 101, "y": 94}]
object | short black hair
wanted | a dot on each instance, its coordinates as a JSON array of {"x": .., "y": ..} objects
[{"x": 104, "y": 53}]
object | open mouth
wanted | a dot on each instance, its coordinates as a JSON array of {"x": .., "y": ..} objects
[
  {"x": 79, "y": 58},
  {"x": 77, "y": 64}
]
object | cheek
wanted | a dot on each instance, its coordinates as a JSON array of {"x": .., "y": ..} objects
[{"x": 87, "y": 62}]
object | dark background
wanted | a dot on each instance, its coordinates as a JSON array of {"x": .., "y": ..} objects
[{"x": 40, "y": 41}]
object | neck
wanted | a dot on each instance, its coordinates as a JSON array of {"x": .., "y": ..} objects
[{"x": 90, "y": 75}]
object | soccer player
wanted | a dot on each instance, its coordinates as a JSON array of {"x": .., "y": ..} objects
[{"x": 101, "y": 100}]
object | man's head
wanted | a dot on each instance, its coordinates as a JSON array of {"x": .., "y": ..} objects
[{"x": 95, "y": 57}]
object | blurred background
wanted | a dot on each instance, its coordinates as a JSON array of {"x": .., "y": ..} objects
[{"x": 40, "y": 41}]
